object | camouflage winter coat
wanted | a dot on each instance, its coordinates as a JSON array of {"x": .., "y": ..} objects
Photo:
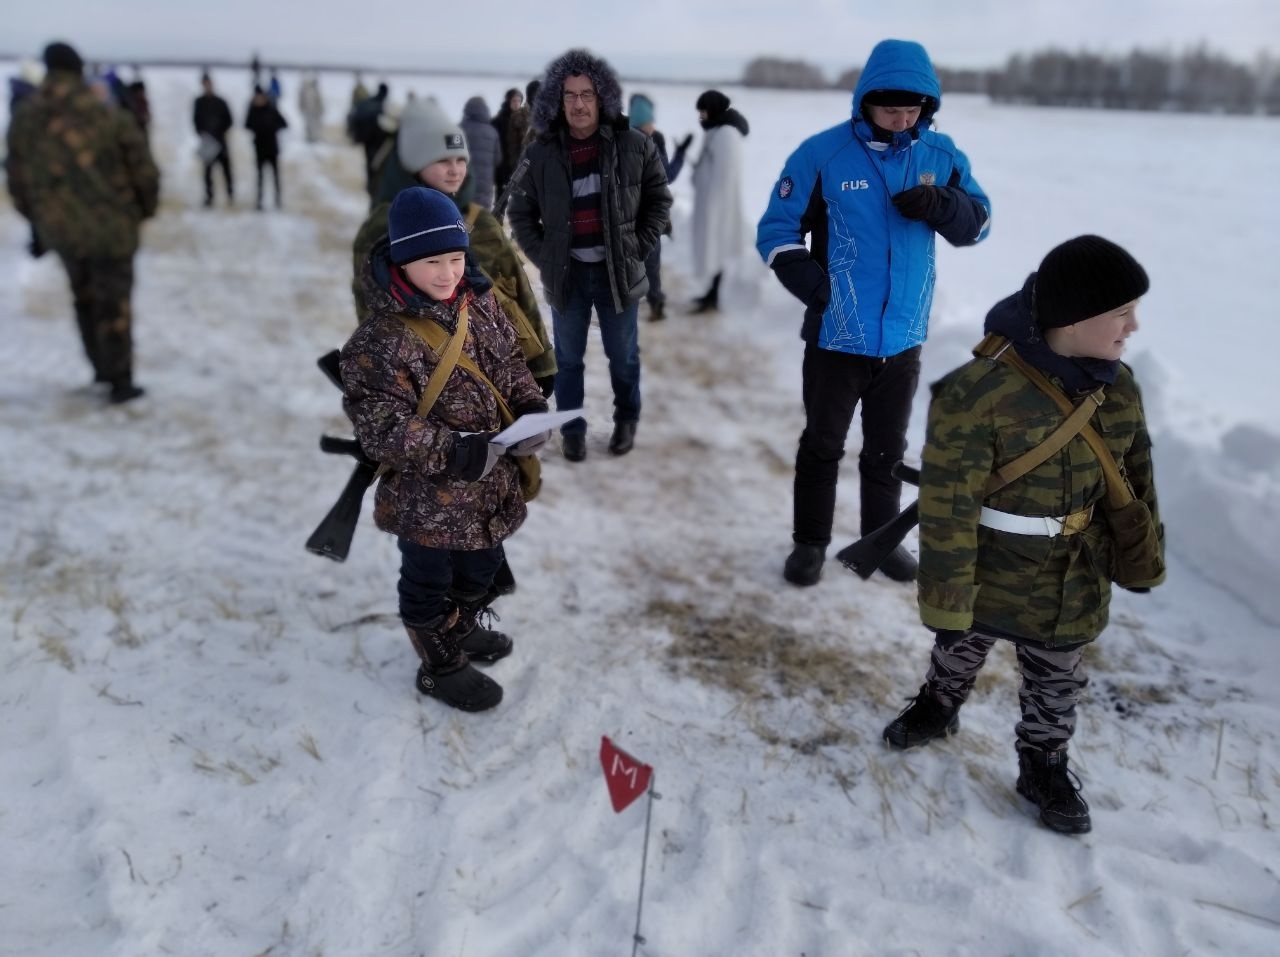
[
  {"x": 80, "y": 171},
  {"x": 385, "y": 368},
  {"x": 1054, "y": 591},
  {"x": 496, "y": 258}
]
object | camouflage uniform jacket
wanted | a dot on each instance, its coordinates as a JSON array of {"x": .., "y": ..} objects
[
  {"x": 80, "y": 171},
  {"x": 1052, "y": 591},
  {"x": 385, "y": 368},
  {"x": 495, "y": 256}
]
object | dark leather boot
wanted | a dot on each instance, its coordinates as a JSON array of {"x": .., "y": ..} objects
[
  {"x": 575, "y": 447},
  {"x": 446, "y": 673},
  {"x": 623, "y": 438},
  {"x": 924, "y": 719},
  {"x": 1043, "y": 779},
  {"x": 804, "y": 565},
  {"x": 480, "y": 642}
]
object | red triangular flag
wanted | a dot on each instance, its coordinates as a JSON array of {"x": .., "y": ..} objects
[{"x": 626, "y": 777}]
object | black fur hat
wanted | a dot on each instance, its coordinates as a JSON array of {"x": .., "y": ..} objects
[{"x": 547, "y": 111}]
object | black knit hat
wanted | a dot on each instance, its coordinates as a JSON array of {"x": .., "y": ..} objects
[
  {"x": 62, "y": 56},
  {"x": 424, "y": 222},
  {"x": 713, "y": 101},
  {"x": 1085, "y": 277}
]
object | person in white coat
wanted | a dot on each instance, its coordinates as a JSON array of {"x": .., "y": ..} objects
[{"x": 719, "y": 230}]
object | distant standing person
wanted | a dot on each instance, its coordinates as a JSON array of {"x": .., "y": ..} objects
[
  {"x": 81, "y": 172},
  {"x": 511, "y": 104},
  {"x": 212, "y": 119},
  {"x": 311, "y": 106},
  {"x": 871, "y": 192},
  {"x": 640, "y": 113},
  {"x": 265, "y": 122},
  {"x": 719, "y": 230},
  {"x": 367, "y": 128},
  {"x": 274, "y": 89},
  {"x": 588, "y": 211},
  {"x": 485, "y": 147}
]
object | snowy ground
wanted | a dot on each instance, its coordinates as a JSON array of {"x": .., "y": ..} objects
[{"x": 212, "y": 742}]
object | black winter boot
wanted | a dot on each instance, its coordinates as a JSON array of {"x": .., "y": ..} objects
[
  {"x": 804, "y": 564},
  {"x": 710, "y": 302},
  {"x": 446, "y": 673},
  {"x": 1044, "y": 780},
  {"x": 623, "y": 438},
  {"x": 900, "y": 566},
  {"x": 924, "y": 719},
  {"x": 480, "y": 643}
]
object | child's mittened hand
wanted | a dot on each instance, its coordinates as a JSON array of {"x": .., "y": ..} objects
[{"x": 473, "y": 456}]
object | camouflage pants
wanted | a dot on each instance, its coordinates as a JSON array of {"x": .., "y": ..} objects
[
  {"x": 1051, "y": 686},
  {"x": 102, "y": 289}
]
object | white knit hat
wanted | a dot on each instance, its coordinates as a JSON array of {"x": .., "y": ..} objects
[{"x": 428, "y": 135}]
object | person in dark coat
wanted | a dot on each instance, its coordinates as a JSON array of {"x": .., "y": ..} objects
[
  {"x": 212, "y": 119},
  {"x": 265, "y": 122},
  {"x": 80, "y": 171},
  {"x": 511, "y": 104},
  {"x": 484, "y": 145},
  {"x": 588, "y": 210},
  {"x": 640, "y": 112}
]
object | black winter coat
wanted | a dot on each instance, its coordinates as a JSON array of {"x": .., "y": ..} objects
[
  {"x": 211, "y": 115},
  {"x": 635, "y": 203}
]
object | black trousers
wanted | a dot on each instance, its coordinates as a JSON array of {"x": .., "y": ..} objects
[
  {"x": 265, "y": 160},
  {"x": 223, "y": 159},
  {"x": 102, "y": 290},
  {"x": 429, "y": 575},
  {"x": 834, "y": 384}
]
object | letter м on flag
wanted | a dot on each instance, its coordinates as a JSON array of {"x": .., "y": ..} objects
[{"x": 626, "y": 777}]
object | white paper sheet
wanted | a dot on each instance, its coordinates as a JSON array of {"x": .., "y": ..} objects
[{"x": 533, "y": 423}]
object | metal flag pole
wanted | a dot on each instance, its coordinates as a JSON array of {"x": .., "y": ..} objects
[{"x": 637, "y": 940}]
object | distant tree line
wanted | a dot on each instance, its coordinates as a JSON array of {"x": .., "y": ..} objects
[{"x": 1195, "y": 81}]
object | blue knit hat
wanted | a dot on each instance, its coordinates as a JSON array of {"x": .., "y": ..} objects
[
  {"x": 424, "y": 222},
  {"x": 640, "y": 110}
]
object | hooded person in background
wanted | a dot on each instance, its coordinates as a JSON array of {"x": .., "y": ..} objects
[
  {"x": 519, "y": 134},
  {"x": 640, "y": 113},
  {"x": 588, "y": 210},
  {"x": 81, "y": 173},
  {"x": 719, "y": 230},
  {"x": 1028, "y": 559},
  {"x": 512, "y": 102},
  {"x": 871, "y": 192},
  {"x": 368, "y": 127},
  {"x": 485, "y": 147}
]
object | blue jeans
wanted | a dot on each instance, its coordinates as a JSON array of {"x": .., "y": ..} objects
[
  {"x": 429, "y": 575},
  {"x": 588, "y": 286}
]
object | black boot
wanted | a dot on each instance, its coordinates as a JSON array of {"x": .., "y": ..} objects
[
  {"x": 657, "y": 312},
  {"x": 804, "y": 565},
  {"x": 924, "y": 719},
  {"x": 480, "y": 642},
  {"x": 575, "y": 447},
  {"x": 446, "y": 673},
  {"x": 899, "y": 565},
  {"x": 623, "y": 438},
  {"x": 123, "y": 390},
  {"x": 1044, "y": 780},
  {"x": 711, "y": 301},
  {"x": 504, "y": 580}
]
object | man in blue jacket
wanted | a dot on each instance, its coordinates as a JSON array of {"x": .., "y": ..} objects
[{"x": 871, "y": 193}]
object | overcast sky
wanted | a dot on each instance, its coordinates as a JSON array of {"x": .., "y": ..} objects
[{"x": 695, "y": 38}]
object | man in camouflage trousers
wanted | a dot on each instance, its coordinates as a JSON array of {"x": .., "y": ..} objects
[
  {"x": 1030, "y": 562},
  {"x": 81, "y": 172}
]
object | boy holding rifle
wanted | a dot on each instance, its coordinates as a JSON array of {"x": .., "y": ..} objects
[
  {"x": 1027, "y": 552},
  {"x": 449, "y": 494}
]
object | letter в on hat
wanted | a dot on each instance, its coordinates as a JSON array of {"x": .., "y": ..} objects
[{"x": 424, "y": 222}]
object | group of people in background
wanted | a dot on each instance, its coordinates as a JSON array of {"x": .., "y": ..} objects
[{"x": 451, "y": 346}]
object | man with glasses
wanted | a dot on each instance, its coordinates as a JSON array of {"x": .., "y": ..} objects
[{"x": 590, "y": 206}]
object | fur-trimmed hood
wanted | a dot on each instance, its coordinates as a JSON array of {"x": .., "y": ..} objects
[{"x": 548, "y": 113}]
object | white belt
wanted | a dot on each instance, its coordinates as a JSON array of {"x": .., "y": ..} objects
[{"x": 1021, "y": 524}]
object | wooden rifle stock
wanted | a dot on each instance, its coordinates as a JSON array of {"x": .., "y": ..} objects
[{"x": 865, "y": 555}]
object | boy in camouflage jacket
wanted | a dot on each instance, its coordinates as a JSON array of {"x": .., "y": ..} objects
[
  {"x": 1030, "y": 563},
  {"x": 451, "y": 496}
]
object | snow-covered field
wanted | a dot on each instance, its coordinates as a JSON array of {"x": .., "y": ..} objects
[{"x": 212, "y": 743}]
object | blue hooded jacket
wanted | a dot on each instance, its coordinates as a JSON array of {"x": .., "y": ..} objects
[{"x": 867, "y": 277}]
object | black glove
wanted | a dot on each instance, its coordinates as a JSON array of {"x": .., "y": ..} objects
[
  {"x": 918, "y": 202},
  {"x": 547, "y": 384},
  {"x": 1139, "y": 590},
  {"x": 684, "y": 143},
  {"x": 946, "y": 637},
  {"x": 473, "y": 456}
]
